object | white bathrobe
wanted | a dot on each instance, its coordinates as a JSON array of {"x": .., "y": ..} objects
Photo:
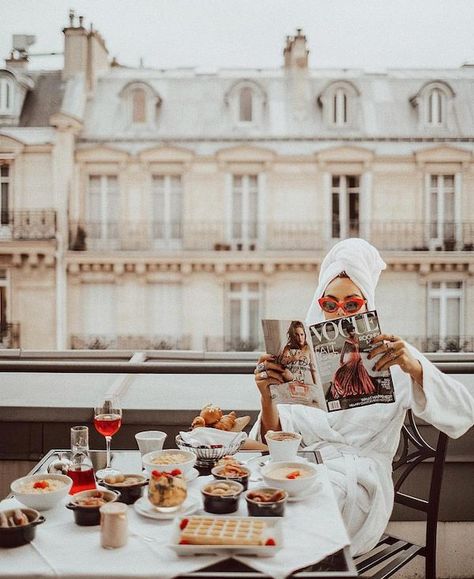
[{"x": 358, "y": 445}]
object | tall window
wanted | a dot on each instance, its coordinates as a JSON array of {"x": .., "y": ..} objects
[
  {"x": 104, "y": 207},
  {"x": 245, "y": 105},
  {"x": 6, "y": 96},
  {"x": 442, "y": 208},
  {"x": 3, "y": 301},
  {"x": 445, "y": 299},
  {"x": 99, "y": 314},
  {"x": 165, "y": 309},
  {"x": 345, "y": 199},
  {"x": 244, "y": 307},
  {"x": 340, "y": 114},
  {"x": 435, "y": 109},
  {"x": 138, "y": 105},
  {"x": 244, "y": 211},
  {"x": 167, "y": 207},
  {"x": 4, "y": 194}
]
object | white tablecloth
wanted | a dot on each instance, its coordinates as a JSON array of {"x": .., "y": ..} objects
[{"x": 312, "y": 529}]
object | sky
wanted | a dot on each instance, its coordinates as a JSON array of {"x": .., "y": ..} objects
[{"x": 210, "y": 34}]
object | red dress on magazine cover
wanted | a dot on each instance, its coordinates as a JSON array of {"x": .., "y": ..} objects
[{"x": 351, "y": 378}]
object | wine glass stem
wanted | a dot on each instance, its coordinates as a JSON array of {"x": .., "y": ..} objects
[{"x": 108, "y": 440}]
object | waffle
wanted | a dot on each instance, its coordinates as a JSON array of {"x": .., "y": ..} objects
[{"x": 222, "y": 531}]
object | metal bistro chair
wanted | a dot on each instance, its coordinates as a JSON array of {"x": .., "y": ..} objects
[{"x": 395, "y": 553}]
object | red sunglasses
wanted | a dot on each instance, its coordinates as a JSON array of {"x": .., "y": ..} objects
[{"x": 348, "y": 305}]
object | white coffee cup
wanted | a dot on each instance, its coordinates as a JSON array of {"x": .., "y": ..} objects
[
  {"x": 283, "y": 446},
  {"x": 150, "y": 440}
]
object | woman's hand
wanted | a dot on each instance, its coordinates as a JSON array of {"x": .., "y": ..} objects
[
  {"x": 395, "y": 353},
  {"x": 268, "y": 372}
]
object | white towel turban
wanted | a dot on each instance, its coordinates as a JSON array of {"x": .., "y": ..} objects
[{"x": 362, "y": 263}]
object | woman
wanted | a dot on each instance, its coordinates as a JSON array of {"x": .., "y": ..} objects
[
  {"x": 351, "y": 378},
  {"x": 358, "y": 445},
  {"x": 296, "y": 355}
]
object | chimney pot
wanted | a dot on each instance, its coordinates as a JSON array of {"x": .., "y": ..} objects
[
  {"x": 71, "y": 18},
  {"x": 81, "y": 20}
]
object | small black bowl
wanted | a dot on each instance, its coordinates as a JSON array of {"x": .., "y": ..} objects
[
  {"x": 129, "y": 494},
  {"x": 221, "y": 504},
  {"x": 243, "y": 480},
  {"x": 266, "y": 509},
  {"x": 17, "y": 536},
  {"x": 89, "y": 516}
]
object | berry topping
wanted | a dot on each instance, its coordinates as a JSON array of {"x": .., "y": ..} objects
[
  {"x": 155, "y": 473},
  {"x": 270, "y": 542},
  {"x": 184, "y": 542},
  {"x": 294, "y": 474},
  {"x": 176, "y": 472},
  {"x": 41, "y": 484},
  {"x": 183, "y": 524}
]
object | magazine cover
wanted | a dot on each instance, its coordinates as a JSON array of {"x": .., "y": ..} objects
[
  {"x": 289, "y": 341},
  {"x": 341, "y": 347}
]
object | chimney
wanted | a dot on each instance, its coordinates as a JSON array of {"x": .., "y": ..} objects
[
  {"x": 84, "y": 51},
  {"x": 16, "y": 61},
  {"x": 75, "y": 48},
  {"x": 295, "y": 52}
]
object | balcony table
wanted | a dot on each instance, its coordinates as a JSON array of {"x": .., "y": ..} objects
[{"x": 61, "y": 548}]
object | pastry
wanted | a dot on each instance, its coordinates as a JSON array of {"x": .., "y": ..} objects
[
  {"x": 211, "y": 414},
  {"x": 222, "y": 531},
  {"x": 198, "y": 422}
]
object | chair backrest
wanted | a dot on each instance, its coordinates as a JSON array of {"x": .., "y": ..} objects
[{"x": 414, "y": 451}]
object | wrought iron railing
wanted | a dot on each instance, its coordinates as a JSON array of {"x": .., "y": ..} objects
[
  {"x": 35, "y": 224},
  {"x": 10, "y": 335},
  {"x": 129, "y": 342},
  {"x": 281, "y": 235}
]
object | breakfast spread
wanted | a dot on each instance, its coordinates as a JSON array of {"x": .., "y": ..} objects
[
  {"x": 211, "y": 416},
  {"x": 222, "y": 531},
  {"x": 167, "y": 489},
  {"x": 45, "y": 485},
  {"x": 17, "y": 519}
]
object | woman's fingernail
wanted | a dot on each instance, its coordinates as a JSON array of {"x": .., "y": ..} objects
[{"x": 374, "y": 368}]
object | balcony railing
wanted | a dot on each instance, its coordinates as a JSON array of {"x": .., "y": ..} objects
[
  {"x": 442, "y": 344},
  {"x": 129, "y": 342},
  {"x": 9, "y": 336},
  {"x": 31, "y": 225},
  {"x": 268, "y": 235}
]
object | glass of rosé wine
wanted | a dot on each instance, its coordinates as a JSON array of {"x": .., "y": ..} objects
[{"x": 107, "y": 421}]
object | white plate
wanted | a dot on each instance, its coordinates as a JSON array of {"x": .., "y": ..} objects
[
  {"x": 306, "y": 495},
  {"x": 273, "y": 523},
  {"x": 260, "y": 461},
  {"x": 191, "y": 475},
  {"x": 146, "y": 509}
]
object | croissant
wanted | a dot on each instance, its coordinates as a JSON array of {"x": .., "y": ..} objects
[
  {"x": 211, "y": 414},
  {"x": 198, "y": 422},
  {"x": 226, "y": 422}
]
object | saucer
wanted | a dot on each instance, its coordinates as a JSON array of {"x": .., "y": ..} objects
[{"x": 146, "y": 509}]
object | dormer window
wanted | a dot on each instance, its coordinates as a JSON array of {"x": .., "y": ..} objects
[
  {"x": 246, "y": 101},
  {"x": 245, "y": 105},
  {"x": 140, "y": 103},
  {"x": 339, "y": 104},
  {"x": 436, "y": 106},
  {"x": 434, "y": 101},
  {"x": 6, "y": 96}
]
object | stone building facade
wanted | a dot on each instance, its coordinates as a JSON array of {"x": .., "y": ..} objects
[{"x": 172, "y": 209}]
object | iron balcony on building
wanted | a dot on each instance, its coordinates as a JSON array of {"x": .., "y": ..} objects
[
  {"x": 129, "y": 342},
  {"x": 10, "y": 336},
  {"x": 29, "y": 225},
  {"x": 267, "y": 235}
]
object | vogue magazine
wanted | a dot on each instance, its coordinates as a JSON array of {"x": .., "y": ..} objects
[{"x": 326, "y": 364}]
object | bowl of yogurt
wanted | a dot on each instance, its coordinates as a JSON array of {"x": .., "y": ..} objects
[
  {"x": 293, "y": 477},
  {"x": 41, "y": 491}
]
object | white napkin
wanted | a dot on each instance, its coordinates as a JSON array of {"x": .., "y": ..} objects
[{"x": 207, "y": 436}]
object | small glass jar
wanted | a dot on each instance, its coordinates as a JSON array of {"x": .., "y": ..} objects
[
  {"x": 167, "y": 490},
  {"x": 113, "y": 525}
]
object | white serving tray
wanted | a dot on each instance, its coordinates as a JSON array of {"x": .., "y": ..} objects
[{"x": 272, "y": 523}]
